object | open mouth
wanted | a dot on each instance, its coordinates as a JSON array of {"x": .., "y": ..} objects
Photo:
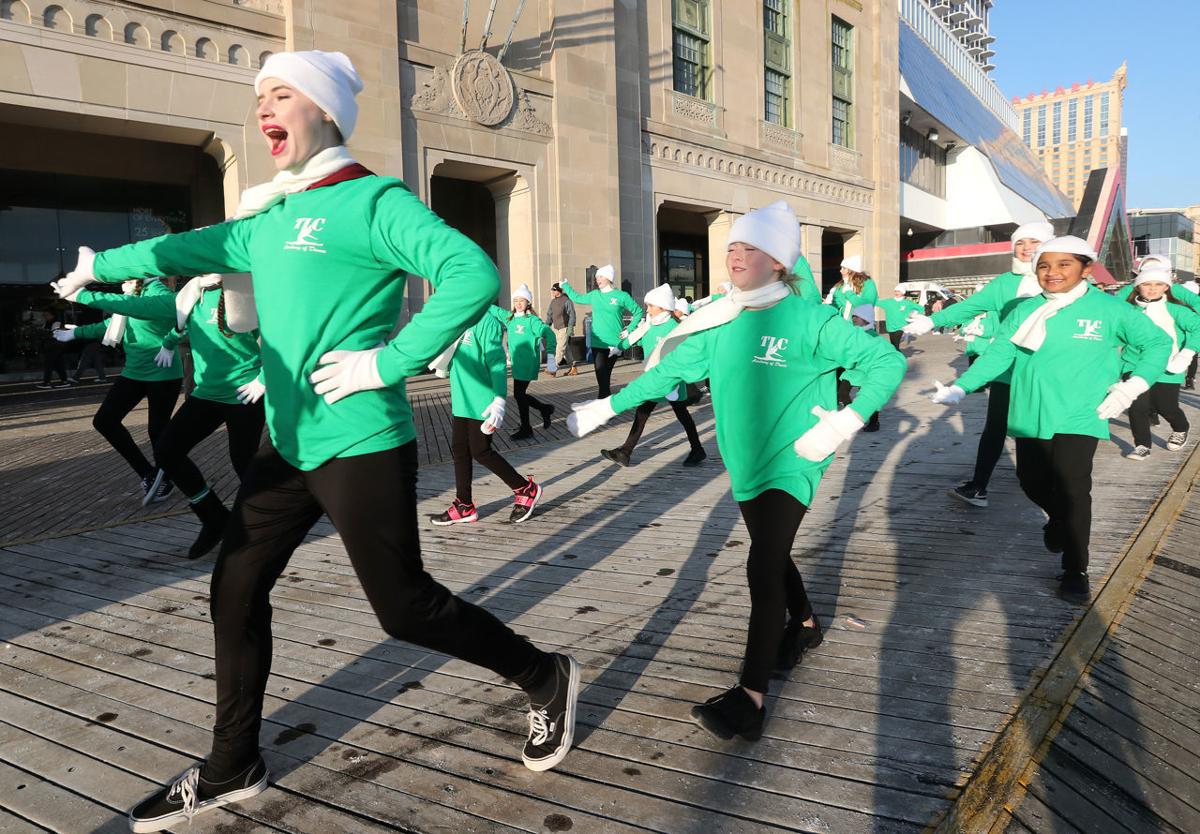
[{"x": 277, "y": 137}]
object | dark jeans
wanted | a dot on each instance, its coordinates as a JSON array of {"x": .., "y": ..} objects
[
  {"x": 603, "y": 364},
  {"x": 122, "y": 398},
  {"x": 776, "y": 589},
  {"x": 1056, "y": 474},
  {"x": 1162, "y": 399},
  {"x": 195, "y": 420},
  {"x": 372, "y": 501},
  {"x": 1190, "y": 379},
  {"x": 991, "y": 440},
  {"x": 53, "y": 362},
  {"x": 467, "y": 444},
  {"x": 524, "y": 400},
  {"x": 895, "y": 336},
  {"x": 642, "y": 414},
  {"x": 92, "y": 357}
]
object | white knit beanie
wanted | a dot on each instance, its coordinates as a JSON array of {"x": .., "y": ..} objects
[
  {"x": 661, "y": 296},
  {"x": 1151, "y": 273},
  {"x": 328, "y": 78},
  {"x": 1150, "y": 261},
  {"x": 1069, "y": 244},
  {"x": 524, "y": 292},
  {"x": 854, "y": 263},
  {"x": 1041, "y": 231},
  {"x": 682, "y": 306},
  {"x": 606, "y": 272},
  {"x": 772, "y": 229}
]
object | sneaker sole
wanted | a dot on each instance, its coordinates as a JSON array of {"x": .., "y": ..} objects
[
  {"x": 464, "y": 520},
  {"x": 149, "y": 496},
  {"x": 165, "y": 496},
  {"x": 1173, "y": 448},
  {"x": 529, "y": 510},
  {"x": 169, "y": 820},
  {"x": 1136, "y": 457},
  {"x": 540, "y": 765},
  {"x": 974, "y": 502}
]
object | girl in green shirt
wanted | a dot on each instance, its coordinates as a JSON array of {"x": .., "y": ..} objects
[
  {"x": 141, "y": 378},
  {"x": 769, "y": 356},
  {"x": 525, "y": 331},
  {"x": 609, "y": 306},
  {"x": 855, "y": 289}
]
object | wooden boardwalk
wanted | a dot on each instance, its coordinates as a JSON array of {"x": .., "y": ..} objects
[{"x": 939, "y": 617}]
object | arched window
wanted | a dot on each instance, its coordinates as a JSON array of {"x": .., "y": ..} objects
[
  {"x": 55, "y": 17},
  {"x": 97, "y": 27},
  {"x": 238, "y": 56},
  {"x": 138, "y": 35},
  {"x": 172, "y": 42}
]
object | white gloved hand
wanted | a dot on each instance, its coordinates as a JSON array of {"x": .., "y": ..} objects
[
  {"x": 625, "y": 334},
  {"x": 918, "y": 325},
  {"x": 1120, "y": 397},
  {"x": 833, "y": 428},
  {"x": 251, "y": 392},
  {"x": 614, "y": 351},
  {"x": 1180, "y": 362},
  {"x": 343, "y": 372},
  {"x": 65, "y": 335},
  {"x": 69, "y": 285},
  {"x": 551, "y": 364},
  {"x": 947, "y": 394},
  {"x": 165, "y": 358},
  {"x": 586, "y": 417},
  {"x": 493, "y": 416},
  {"x": 441, "y": 373},
  {"x": 673, "y": 394}
]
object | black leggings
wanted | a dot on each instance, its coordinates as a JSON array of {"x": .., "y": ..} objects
[
  {"x": 469, "y": 444},
  {"x": 896, "y": 336},
  {"x": 1056, "y": 474},
  {"x": 603, "y": 364},
  {"x": 995, "y": 429},
  {"x": 844, "y": 397},
  {"x": 53, "y": 361},
  {"x": 372, "y": 501},
  {"x": 1162, "y": 399},
  {"x": 643, "y": 414},
  {"x": 776, "y": 589},
  {"x": 122, "y": 398},
  {"x": 524, "y": 400},
  {"x": 195, "y": 420}
]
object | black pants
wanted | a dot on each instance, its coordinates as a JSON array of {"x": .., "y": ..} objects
[
  {"x": 372, "y": 501},
  {"x": 603, "y": 364},
  {"x": 844, "y": 397},
  {"x": 122, "y": 398},
  {"x": 776, "y": 589},
  {"x": 896, "y": 336},
  {"x": 92, "y": 357},
  {"x": 53, "y": 362},
  {"x": 1190, "y": 379},
  {"x": 467, "y": 444},
  {"x": 196, "y": 420},
  {"x": 643, "y": 414},
  {"x": 1056, "y": 474},
  {"x": 1161, "y": 399},
  {"x": 524, "y": 400},
  {"x": 995, "y": 429}
]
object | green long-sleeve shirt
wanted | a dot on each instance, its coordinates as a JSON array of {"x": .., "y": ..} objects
[
  {"x": 524, "y": 333},
  {"x": 329, "y": 268},
  {"x": 896, "y": 312},
  {"x": 1187, "y": 337},
  {"x": 221, "y": 362},
  {"x": 807, "y": 285},
  {"x": 151, "y": 317},
  {"x": 478, "y": 371},
  {"x": 1057, "y": 389},
  {"x": 767, "y": 369},
  {"x": 977, "y": 344},
  {"x": 655, "y": 334},
  {"x": 608, "y": 309},
  {"x": 843, "y": 295},
  {"x": 998, "y": 296}
]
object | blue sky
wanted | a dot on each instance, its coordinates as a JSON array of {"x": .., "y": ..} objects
[{"x": 1043, "y": 44}]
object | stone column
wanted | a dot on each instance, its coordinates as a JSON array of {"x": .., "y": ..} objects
[
  {"x": 810, "y": 248},
  {"x": 718, "y": 241},
  {"x": 514, "y": 235}
]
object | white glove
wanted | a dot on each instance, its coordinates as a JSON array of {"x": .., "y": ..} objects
[
  {"x": 343, "y": 372},
  {"x": 251, "y": 392},
  {"x": 1120, "y": 397},
  {"x": 551, "y": 364},
  {"x": 833, "y": 428},
  {"x": 164, "y": 358},
  {"x": 493, "y": 416},
  {"x": 947, "y": 394},
  {"x": 586, "y": 417},
  {"x": 918, "y": 325},
  {"x": 975, "y": 328},
  {"x": 625, "y": 334},
  {"x": 64, "y": 335},
  {"x": 1180, "y": 362},
  {"x": 614, "y": 351},
  {"x": 673, "y": 394},
  {"x": 70, "y": 284}
]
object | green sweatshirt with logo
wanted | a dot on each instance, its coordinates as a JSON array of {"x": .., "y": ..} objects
[
  {"x": 151, "y": 317},
  {"x": 1186, "y": 296},
  {"x": 478, "y": 371},
  {"x": 221, "y": 362},
  {"x": 977, "y": 344},
  {"x": 524, "y": 333},
  {"x": 998, "y": 296},
  {"x": 1057, "y": 389},
  {"x": 843, "y": 295},
  {"x": 767, "y": 369},
  {"x": 1187, "y": 337},
  {"x": 650, "y": 340},
  {"x": 608, "y": 309},
  {"x": 896, "y": 312},
  {"x": 329, "y": 266},
  {"x": 807, "y": 285}
]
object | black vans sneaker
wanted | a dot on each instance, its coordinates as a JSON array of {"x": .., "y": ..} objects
[
  {"x": 191, "y": 794},
  {"x": 163, "y": 491},
  {"x": 797, "y": 639},
  {"x": 618, "y": 456},
  {"x": 695, "y": 457},
  {"x": 150, "y": 485},
  {"x": 1052, "y": 537},
  {"x": 730, "y": 714},
  {"x": 971, "y": 495},
  {"x": 1073, "y": 586},
  {"x": 547, "y": 413},
  {"x": 552, "y": 716}
]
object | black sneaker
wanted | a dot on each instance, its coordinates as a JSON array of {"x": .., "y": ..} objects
[
  {"x": 872, "y": 424},
  {"x": 459, "y": 513},
  {"x": 797, "y": 639},
  {"x": 165, "y": 488},
  {"x": 968, "y": 493},
  {"x": 61, "y": 384},
  {"x": 1138, "y": 453},
  {"x": 45, "y": 386},
  {"x": 730, "y": 714},
  {"x": 1052, "y": 537},
  {"x": 547, "y": 413},
  {"x": 617, "y": 456},
  {"x": 190, "y": 794},
  {"x": 213, "y": 519},
  {"x": 523, "y": 433},
  {"x": 1176, "y": 441},
  {"x": 1073, "y": 586},
  {"x": 151, "y": 485},
  {"x": 695, "y": 457},
  {"x": 552, "y": 716}
]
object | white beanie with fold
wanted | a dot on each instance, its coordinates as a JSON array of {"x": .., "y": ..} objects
[
  {"x": 606, "y": 273},
  {"x": 328, "y": 78},
  {"x": 1041, "y": 231},
  {"x": 773, "y": 229},
  {"x": 524, "y": 292},
  {"x": 661, "y": 296}
]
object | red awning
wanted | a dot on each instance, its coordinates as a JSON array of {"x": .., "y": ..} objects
[{"x": 1102, "y": 276}]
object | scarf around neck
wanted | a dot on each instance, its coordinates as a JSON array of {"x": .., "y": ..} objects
[
  {"x": 644, "y": 326},
  {"x": 1159, "y": 314},
  {"x": 1032, "y": 331},
  {"x": 722, "y": 311}
]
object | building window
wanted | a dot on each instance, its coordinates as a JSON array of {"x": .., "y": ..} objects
[
  {"x": 692, "y": 48},
  {"x": 777, "y": 76},
  {"x": 1027, "y": 126},
  {"x": 843, "y": 83},
  {"x": 1041, "y": 125},
  {"x": 1104, "y": 114},
  {"x": 1057, "y": 122},
  {"x": 1089, "y": 113},
  {"x": 1073, "y": 120},
  {"x": 922, "y": 163}
]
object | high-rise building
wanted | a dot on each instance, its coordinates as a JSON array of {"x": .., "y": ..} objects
[
  {"x": 1076, "y": 130},
  {"x": 1170, "y": 232}
]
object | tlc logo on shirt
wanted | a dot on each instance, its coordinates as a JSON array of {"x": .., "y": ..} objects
[
  {"x": 772, "y": 347},
  {"x": 520, "y": 330},
  {"x": 1089, "y": 329},
  {"x": 307, "y": 229}
]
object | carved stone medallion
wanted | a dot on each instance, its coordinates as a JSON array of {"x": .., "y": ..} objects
[{"x": 482, "y": 88}]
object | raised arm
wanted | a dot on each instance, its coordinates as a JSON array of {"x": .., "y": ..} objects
[
  {"x": 222, "y": 247},
  {"x": 159, "y": 307},
  {"x": 851, "y": 347}
]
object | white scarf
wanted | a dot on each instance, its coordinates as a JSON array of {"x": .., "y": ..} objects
[
  {"x": 721, "y": 311},
  {"x": 188, "y": 297},
  {"x": 1029, "y": 286},
  {"x": 440, "y": 364},
  {"x": 645, "y": 324},
  {"x": 1032, "y": 331},
  {"x": 1160, "y": 315},
  {"x": 115, "y": 332}
]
